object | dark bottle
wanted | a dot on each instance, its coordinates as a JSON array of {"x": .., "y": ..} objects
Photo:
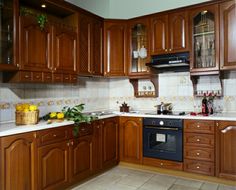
[
  {"x": 210, "y": 104},
  {"x": 204, "y": 105}
]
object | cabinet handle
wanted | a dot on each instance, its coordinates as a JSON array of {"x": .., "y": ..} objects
[
  {"x": 48, "y": 77},
  {"x": 170, "y": 49},
  {"x": 198, "y": 140},
  {"x": 83, "y": 129},
  {"x": 198, "y": 153},
  {"x": 166, "y": 50},
  {"x": 217, "y": 124},
  {"x": 98, "y": 127},
  {"x": 198, "y": 126},
  {"x": 66, "y": 78},
  {"x": 161, "y": 164},
  {"x": 17, "y": 65},
  {"x": 198, "y": 167},
  {"x": 72, "y": 143},
  {"x": 37, "y": 77},
  {"x": 54, "y": 135},
  {"x": 68, "y": 144},
  {"x": 26, "y": 76},
  {"x": 228, "y": 129}
]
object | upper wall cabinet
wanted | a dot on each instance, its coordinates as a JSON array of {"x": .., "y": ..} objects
[
  {"x": 8, "y": 38},
  {"x": 169, "y": 33},
  {"x": 204, "y": 29},
  {"x": 115, "y": 48},
  {"x": 90, "y": 45},
  {"x": 228, "y": 35},
  {"x": 138, "y": 47}
]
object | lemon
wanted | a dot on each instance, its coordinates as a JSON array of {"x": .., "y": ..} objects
[
  {"x": 26, "y": 110},
  {"x": 53, "y": 115},
  {"x": 25, "y": 106},
  {"x": 60, "y": 115},
  {"x": 19, "y": 107},
  {"x": 33, "y": 107}
]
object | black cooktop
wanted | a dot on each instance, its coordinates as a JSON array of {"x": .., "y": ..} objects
[{"x": 167, "y": 113}]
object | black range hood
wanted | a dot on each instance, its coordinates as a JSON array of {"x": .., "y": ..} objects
[{"x": 177, "y": 62}]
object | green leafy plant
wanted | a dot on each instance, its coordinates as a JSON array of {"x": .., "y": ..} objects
[
  {"x": 75, "y": 114},
  {"x": 41, "y": 18}
]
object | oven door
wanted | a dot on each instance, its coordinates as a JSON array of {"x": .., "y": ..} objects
[{"x": 163, "y": 142}]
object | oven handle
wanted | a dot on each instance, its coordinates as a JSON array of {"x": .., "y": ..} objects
[{"x": 162, "y": 128}]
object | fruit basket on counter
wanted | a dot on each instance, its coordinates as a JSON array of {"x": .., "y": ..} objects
[{"x": 26, "y": 114}]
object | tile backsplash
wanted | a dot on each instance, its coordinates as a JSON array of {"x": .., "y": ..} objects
[{"x": 104, "y": 94}]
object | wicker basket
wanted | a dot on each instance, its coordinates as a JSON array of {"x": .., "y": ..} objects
[{"x": 27, "y": 118}]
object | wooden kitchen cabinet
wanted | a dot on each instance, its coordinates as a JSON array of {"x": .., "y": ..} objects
[
  {"x": 131, "y": 145},
  {"x": 110, "y": 142},
  {"x": 9, "y": 35},
  {"x": 18, "y": 162},
  {"x": 32, "y": 36},
  {"x": 227, "y": 35},
  {"x": 90, "y": 46},
  {"x": 80, "y": 158},
  {"x": 53, "y": 166},
  {"x": 138, "y": 39},
  {"x": 115, "y": 48},
  {"x": 64, "y": 50},
  {"x": 199, "y": 146},
  {"x": 226, "y": 149},
  {"x": 97, "y": 146},
  {"x": 204, "y": 41},
  {"x": 169, "y": 33}
]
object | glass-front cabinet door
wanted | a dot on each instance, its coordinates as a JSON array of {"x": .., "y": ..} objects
[
  {"x": 138, "y": 47},
  {"x": 205, "y": 38},
  {"x": 8, "y": 16}
]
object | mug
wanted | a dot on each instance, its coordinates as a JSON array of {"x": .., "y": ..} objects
[
  {"x": 143, "y": 52},
  {"x": 135, "y": 54}
]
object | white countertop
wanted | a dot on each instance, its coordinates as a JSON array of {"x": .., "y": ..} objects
[{"x": 10, "y": 128}]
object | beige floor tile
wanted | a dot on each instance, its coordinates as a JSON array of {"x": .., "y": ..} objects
[
  {"x": 209, "y": 186},
  {"x": 134, "y": 180},
  {"x": 118, "y": 186},
  {"x": 164, "y": 178},
  {"x": 182, "y": 187},
  {"x": 189, "y": 182},
  {"x": 225, "y": 187},
  {"x": 155, "y": 185}
]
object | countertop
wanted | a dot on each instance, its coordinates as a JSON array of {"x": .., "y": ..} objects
[{"x": 10, "y": 128}]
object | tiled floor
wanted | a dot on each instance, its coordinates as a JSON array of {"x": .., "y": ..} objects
[{"x": 121, "y": 178}]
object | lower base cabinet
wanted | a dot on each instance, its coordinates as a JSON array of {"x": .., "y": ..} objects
[{"x": 17, "y": 162}]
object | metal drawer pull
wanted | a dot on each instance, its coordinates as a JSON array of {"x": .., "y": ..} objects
[
  {"x": 26, "y": 76},
  {"x": 83, "y": 129},
  {"x": 228, "y": 129},
  {"x": 54, "y": 135},
  {"x": 198, "y": 140},
  {"x": 198, "y": 153},
  {"x": 162, "y": 164},
  {"x": 198, "y": 126},
  {"x": 198, "y": 167}
]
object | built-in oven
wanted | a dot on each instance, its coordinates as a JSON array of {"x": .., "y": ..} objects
[{"x": 163, "y": 138}]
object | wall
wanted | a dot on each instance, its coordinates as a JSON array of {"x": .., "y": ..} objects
[
  {"x": 125, "y": 9},
  {"x": 103, "y": 94},
  {"x": 99, "y": 7}
]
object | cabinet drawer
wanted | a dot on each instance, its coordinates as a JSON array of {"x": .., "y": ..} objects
[
  {"x": 197, "y": 153},
  {"x": 200, "y": 167},
  {"x": 199, "y": 126},
  {"x": 37, "y": 77},
  {"x": 74, "y": 78},
  {"x": 52, "y": 135},
  {"x": 25, "y": 76},
  {"x": 47, "y": 77},
  {"x": 58, "y": 78},
  {"x": 66, "y": 78},
  {"x": 163, "y": 163},
  {"x": 196, "y": 139}
]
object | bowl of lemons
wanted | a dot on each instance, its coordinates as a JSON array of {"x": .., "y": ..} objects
[{"x": 27, "y": 114}]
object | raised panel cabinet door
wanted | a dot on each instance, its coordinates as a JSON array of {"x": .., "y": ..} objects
[
  {"x": 85, "y": 30},
  {"x": 53, "y": 166},
  {"x": 65, "y": 59},
  {"x": 17, "y": 162},
  {"x": 178, "y": 31},
  {"x": 35, "y": 45},
  {"x": 97, "y": 147},
  {"x": 131, "y": 139},
  {"x": 228, "y": 35},
  {"x": 80, "y": 158},
  {"x": 159, "y": 34},
  {"x": 97, "y": 48},
  {"x": 110, "y": 142},
  {"x": 226, "y": 150},
  {"x": 115, "y": 48}
]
